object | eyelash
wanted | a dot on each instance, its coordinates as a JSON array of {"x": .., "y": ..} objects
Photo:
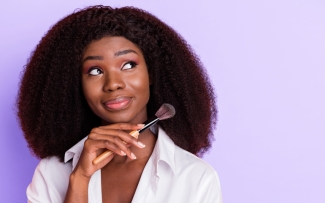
[
  {"x": 94, "y": 68},
  {"x": 132, "y": 63}
]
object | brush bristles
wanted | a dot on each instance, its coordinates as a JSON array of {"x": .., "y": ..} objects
[{"x": 165, "y": 111}]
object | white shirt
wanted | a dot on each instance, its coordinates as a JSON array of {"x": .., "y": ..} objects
[{"x": 171, "y": 175}]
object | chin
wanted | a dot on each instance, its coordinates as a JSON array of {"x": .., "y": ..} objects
[{"x": 123, "y": 118}]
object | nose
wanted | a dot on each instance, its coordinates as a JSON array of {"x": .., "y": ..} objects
[{"x": 113, "y": 81}]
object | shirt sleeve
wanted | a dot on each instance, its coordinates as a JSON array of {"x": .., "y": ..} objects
[
  {"x": 37, "y": 190},
  {"x": 210, "y": 191}
]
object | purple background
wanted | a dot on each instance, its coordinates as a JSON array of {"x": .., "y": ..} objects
[{"x": 267, "y": 63}]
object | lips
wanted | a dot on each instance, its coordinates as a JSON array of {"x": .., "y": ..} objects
[{"x": 118, "y": 103}]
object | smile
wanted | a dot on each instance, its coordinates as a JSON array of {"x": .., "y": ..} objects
[{"x": 118, "y": 103}]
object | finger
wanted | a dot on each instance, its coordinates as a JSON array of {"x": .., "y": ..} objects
[
  {"x": 118, "y": 147},
  {"x": 111, "y": 134},
  {"x": 123, "y": 126},
  {"x": 92, "y": 146},
  {"x": 124, "y": 147}
]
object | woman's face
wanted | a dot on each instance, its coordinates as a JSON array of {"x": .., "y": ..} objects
[{"x": 115, "y": 80}]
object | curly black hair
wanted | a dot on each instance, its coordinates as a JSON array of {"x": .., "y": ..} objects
[{"x": 52, "y": 110}]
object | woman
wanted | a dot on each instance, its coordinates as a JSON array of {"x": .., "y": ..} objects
[{"x": 98, "y": 74}]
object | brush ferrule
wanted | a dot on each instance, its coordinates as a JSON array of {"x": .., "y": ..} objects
[{"x": 149, "y": 123}]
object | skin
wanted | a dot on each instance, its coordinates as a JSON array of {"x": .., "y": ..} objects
[{"x": 115, "y": 83}]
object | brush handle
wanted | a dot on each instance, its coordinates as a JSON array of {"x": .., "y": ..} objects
[
  {"x": 106, "y": 154},
  {"x": 149, "y": 123}
]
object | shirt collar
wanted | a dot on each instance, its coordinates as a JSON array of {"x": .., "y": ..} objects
[
  {"x": 74, "y": 153},
  {"x": 160, "y": 164},
  {"x": 164, "y": 151}
]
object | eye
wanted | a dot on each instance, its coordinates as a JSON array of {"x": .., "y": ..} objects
[
  {"x": 129, "y": 65},
  {"x": 95, "y": 71}
]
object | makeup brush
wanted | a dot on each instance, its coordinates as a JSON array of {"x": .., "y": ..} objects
[{"x": 164, "y": 112}]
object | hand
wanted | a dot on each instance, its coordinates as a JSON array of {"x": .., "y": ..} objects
[{"x": 111, "y": 137}]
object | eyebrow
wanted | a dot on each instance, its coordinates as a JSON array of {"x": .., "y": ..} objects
[
  {"x": 93, "y": 58},
  {"x": 119, "y": 53}
]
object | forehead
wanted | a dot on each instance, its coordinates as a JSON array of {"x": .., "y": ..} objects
[{"x": 110, "y": 45}]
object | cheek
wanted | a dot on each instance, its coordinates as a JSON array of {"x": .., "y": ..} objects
[
  {"x": 91, "y": 97},
  {"x": 89, "y": 90},
  {"x": 85, "y": 88},
  {"x": 140, "y": 86},
  {"x": 87, "y": 93},
  {"x": 142, "y": 83}
]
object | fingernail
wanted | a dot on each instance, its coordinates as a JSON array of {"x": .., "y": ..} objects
[
  {"x": 123, "y": 153},
  {"x": 140, "y": 125},
  {"x": 133, "y": 156},
  {"x": 141, "y": 144}
]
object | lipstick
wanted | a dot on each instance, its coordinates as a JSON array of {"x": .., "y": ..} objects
[{"x": 118, "y": 103}]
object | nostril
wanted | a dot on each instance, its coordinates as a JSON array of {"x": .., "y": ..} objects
[
  {"x": 113, "y": 85},
  {"x": 113, "y": 80}
]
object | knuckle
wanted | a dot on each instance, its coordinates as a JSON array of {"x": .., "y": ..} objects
[
  {"x": 94, "y": 130},
  {"x": 116, "y": 139},
  {"x": 91, "y": 135},
  {"x": 120, "y": 132},
  {"x": 112, "y": 147},
  {"x": 131, "y": 139},
  {"x": 87, "y": 143},
  {"x": 127, "y": 150},
  {"x": 107, "y": 143}
]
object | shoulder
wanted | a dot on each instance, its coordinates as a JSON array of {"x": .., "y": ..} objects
[
  {"x": 182, "y": 162},
  {"x": 47, "y": 164},
  {"x": 51, "y": 167},
  {"x": 188, "y": 162},
  {"x": 198, "y": 174},
  {"x": 50, "y": 181}
]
